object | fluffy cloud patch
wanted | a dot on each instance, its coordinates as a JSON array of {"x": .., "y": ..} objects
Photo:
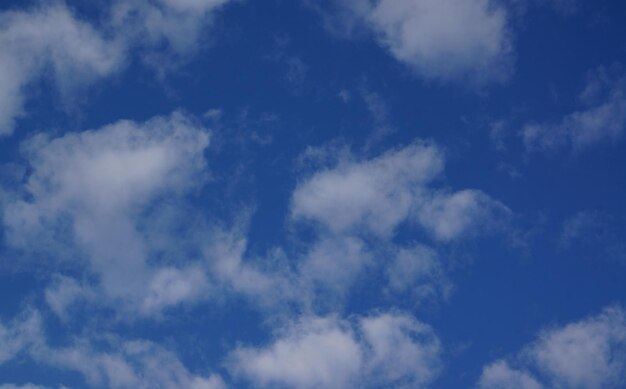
[
  {"x": 318, "y": 352},
  {"x": 440, "y": 39},
  {"x": 381, "y": 350},
  {"x": 590, "y": 353},
  {"x": 377, "y": 195},
  {"x": 93, "y": 192}
]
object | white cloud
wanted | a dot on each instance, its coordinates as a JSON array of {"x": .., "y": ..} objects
[
  {"x": 379, "y": 111},
  {"x": 18, "y": 335},
  {"x": 385, "y": 349},
  {"x": 314, "y": 353},
  {"x": 97, "y": 190},
  {"x": 64, "y": 292},
  {"x": 171, "y": 286},
  {"x": 321, "y": 276},
  {"x": 401, "y": 350},
  {"x": 114, "y": 363},
  {"x": 134, "y": 364},
  {"x": 356, "y": 207},
  {"x": 418, "y": 270},
  {"x": 51, "y": 39},
  {"x": 48, "y": 38},
  {"x": 224, "y": 253},
  {"x": 377, "y": 195},
  {"x": 602, "y": 118},
  {"x": 334, "y": 262},
  {"x": 449, "y": 216},
  {"x": 590, "y": 353},
  {"x": 110, "y": 202},
  {"x": 440, "y": 39}
]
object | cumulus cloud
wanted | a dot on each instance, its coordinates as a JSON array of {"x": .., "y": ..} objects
[
  {"x": 601, "y": 119},
  {"x": 317, "y": 352},
  {"x": 590, "y": 353},
  {"x": 377, "y": 195},
  {"x": 269, "y": 284},
  {"x": 92, "y": 190},
  {"x": 112, "y": 201},
  {"x": 356, "y": 207},
  {"x": 115, "y": 363},
  {"x": 384, "y": 349},
  {"x": 439, "y": 39}
]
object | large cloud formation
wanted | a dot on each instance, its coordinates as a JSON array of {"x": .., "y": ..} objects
[
  {"x": 357, "y": 206},
  {"x": 88, "y": 193}
]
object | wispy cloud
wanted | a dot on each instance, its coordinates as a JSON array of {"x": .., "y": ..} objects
[{"x": 601, "y": 119}]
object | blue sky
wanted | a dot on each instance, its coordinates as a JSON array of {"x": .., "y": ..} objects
[{"x": 312, "y": 194}]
